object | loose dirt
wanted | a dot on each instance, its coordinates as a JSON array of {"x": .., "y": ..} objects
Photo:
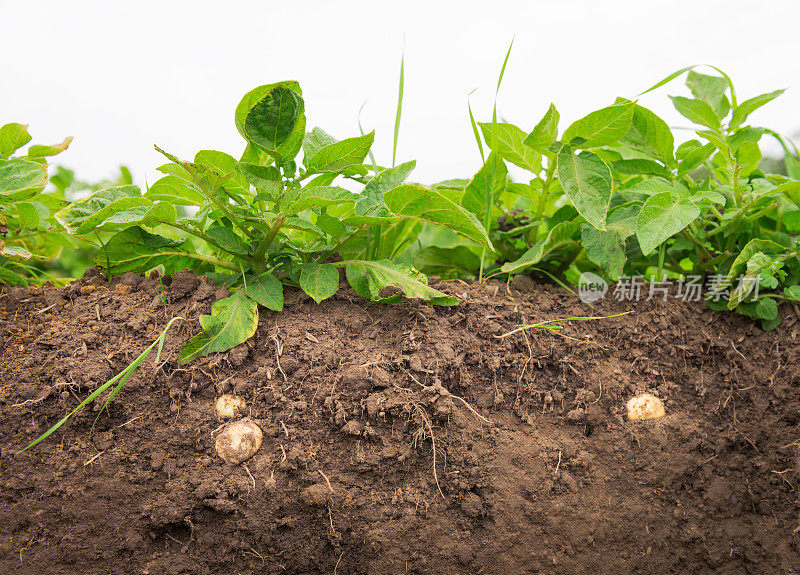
[{"x": 398, "y": 439}]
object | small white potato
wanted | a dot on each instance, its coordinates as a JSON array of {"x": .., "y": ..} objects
[
  {"x": 645, "y": 406},
  {"x": 229, "y": 406},
  {"x": 238, "y": 441}
]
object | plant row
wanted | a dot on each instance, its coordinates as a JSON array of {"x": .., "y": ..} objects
[{"x": 609, "y": 194}]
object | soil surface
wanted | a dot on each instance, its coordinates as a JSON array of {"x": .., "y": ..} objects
[{"x": 398, "y": 439}]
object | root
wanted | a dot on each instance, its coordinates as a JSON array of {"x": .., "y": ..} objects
[
  {"x": 278, "y": 354},
  {"x": 327, "y": 481},
  {"x": 427, "y": 423},
  {"x": 439, "y": 389},
  {"x": 253, "y": 479}
]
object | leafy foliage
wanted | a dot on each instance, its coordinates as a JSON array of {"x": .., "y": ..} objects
[
  {"x": 271, "y": 219},
  {"x": 28, "y": 232},
  {"x": 610, "y": 193},
  {"x": 613, "y": 195}
]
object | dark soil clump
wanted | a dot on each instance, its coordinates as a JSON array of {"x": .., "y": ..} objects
[{"x": 536, "y": 467}]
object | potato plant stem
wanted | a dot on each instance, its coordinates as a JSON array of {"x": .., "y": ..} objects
[
  {"x": 338, "y": 246},
  {"x": 551, "y": 170},
  {"x": 208, "y": 259},
  {"x": 261, "y": 251},
  {"x": 196, "y": 233}
]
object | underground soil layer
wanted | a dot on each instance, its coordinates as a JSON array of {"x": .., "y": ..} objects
[{"x": 397, "y": 439}]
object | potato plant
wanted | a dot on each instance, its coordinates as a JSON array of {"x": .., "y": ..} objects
[
  {"x": 269, "y": 219},
  {"x": 614, "y": 195},
  {"x": 28, "y": 232}
]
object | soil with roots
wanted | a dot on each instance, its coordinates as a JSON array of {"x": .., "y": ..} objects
[{"x": 398, "y": 439}]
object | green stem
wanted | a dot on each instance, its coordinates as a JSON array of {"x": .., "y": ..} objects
[
  {"x": 736, "y": 192},
  {"x": 204, "y": 258},
  {"x": 209, "y": 194},
  {"x": 519, "y": 230},
  {"x": 198, "y": 234},
  {"x": 740, "y": 217},
  {"x": 662, "y": 250},
  {"x": 551, "y": 170},
  {"x": 261, "y": 251},
  {"x": 338, "y": 246},
  {"x": 701, "y": 247},
  {"x": 712, "y": 263}
]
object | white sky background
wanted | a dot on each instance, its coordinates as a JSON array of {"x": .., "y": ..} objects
[{"x": 122, "y": 76}]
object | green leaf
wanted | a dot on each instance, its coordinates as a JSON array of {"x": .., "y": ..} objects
[
  {"x": 320, "y": 281},
  {"x": 12, "y": 137},
  {"x": 272, "y": 119},
  {"x": 696, "y": 111},
  {"x": 227, "y": 239},
  {"x": 135, "y": 250},
  {"x": 297, "y": 200},
  {"x": 266, "y": 290},
  {"x": 586, "y": 179},
  {"x": 639, "y": 166},
  {"x": 127, "y": 212},
  {"x": 254, "y": 155},
  {"x": 746, "y": 135},
  {"x": 743, "y": 110},
  {"x": 511, "y": 147},
  {"x": 792, "y": 292},
  {"x": 387, "y": 179},
  {"x": 603, "y": 127},
  {"x": 330, "y": 225},
  {"x": 716, "y": 138},
  {"x": 233, "y": 321},
  {"x": 75, "y": 215},
  {"x": 650, "y": 135},
  {"x": 340, "y": 155},
  {"x": 253, "y": 96},
  {"x": 14, "y": 253},
  {"x": 21, "y": 179},
  {"x": 709, "y": 197},
  {"x": 767, "y": 308},
  {"x": 29, "y": 215},
  {"x": 560, "y": 242},
  {"x": 370, "y": 211},
  {"x": 225, "y": 166},
  {"x": 695, "y": 158},
  {"x": 711, "y": 90},
  {"x": 545, "y": 133},
  {"x": 662, "y": 216},
  {"x": 651, "y": 187},
  {"x": 175, "y": 190},
  {"x": 739, "y": 265},
  {"x": 315, "y": 140},
  {"x": 492, "y": 176},
  {"x": 604, "y": 248},
  {"x": 265, "y": 179},
  {"x": 757, "y": 263},
  {"x": 622, "y": 220},
  {"x": 369, "y": 278},
  {"x": 431, "y": 206},
  {"x": 44, "y": 151},
  {"x": 459, "y": 260}
]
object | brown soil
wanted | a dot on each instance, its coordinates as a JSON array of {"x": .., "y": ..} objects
[{"x": 352, "y": 397}]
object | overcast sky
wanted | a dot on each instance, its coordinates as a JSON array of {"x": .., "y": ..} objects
[{"x": 122, "y": 76}]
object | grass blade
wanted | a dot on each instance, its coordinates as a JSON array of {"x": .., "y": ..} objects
[
  {"x": 361, "y": 129},
  {"x": 122, "y": 375},
  {"x": 553, "y": 324},
  {"x": 399, "y": 106}
]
